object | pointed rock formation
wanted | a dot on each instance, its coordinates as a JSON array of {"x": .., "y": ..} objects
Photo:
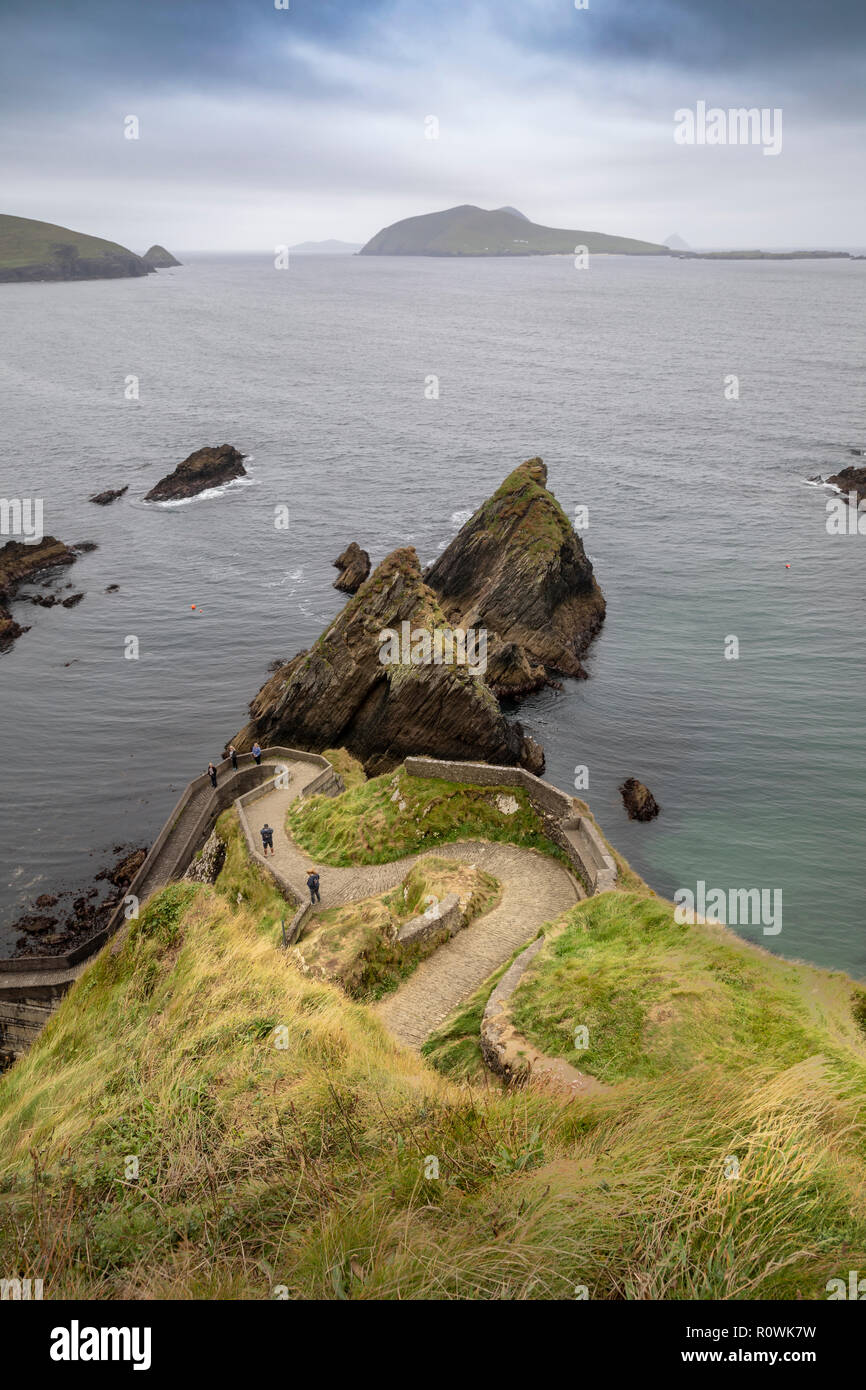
[
  {"x": 354, "y": 567},
  {"x": 350, "y": 691},
  {"x": 159, "y": 258},
  {"x": 518, "y": 569}
]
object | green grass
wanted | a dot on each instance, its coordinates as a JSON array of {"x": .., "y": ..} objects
[
  {"x": 25, "y": 242},
  {"x": 659, "y": 999},
  {"x": 369, "y": 826},
  {"x": 246, "y": 886},
  {"x": 307, "y": 1165}
]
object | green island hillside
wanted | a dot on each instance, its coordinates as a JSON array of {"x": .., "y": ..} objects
[
  {"x": 31, "y": 250},
  {"x": 202, "y": 1118},
  {"x": 471, "y": 231}
]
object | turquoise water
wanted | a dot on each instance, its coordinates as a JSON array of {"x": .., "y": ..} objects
[{"x": 615, "y": 376}]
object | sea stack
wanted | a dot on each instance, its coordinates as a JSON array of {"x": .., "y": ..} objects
[
  {"x": 354, "y": 567},
  {"x": 514, "y": 587},
  {"x": 159, "y": 258},
  {"x": 518, "y": 569},
  {"x": 206, "y": 468},
  {"x": 358, "y": 690}
]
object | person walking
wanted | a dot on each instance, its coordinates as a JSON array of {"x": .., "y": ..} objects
[
  {"x": 313, "y": 885},
  {"x": 267, "y": 834},
  {"x": 257, "y": 752},
  {"x": 234, "y": 757},
  {"x": 211, "y": 772}
]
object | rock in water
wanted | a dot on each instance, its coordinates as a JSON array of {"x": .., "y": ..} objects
[
  {"x": 208, "y": 467},
  {"x": 102, "y": 499},
  {"x": 851, "y": 480},
  {"x": 342, "y": 694},
  {"x": 518, "y": 569},
  {"x": 159, "y": 258},
  {"x": 19, "y": 562},
  {"x": 354, "y": 567},
  {"x": 638, "y": 800}
]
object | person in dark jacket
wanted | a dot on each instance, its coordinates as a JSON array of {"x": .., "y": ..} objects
[
  {"x": 313, "y": 885},
  {"x": 257, "y": 752},
  {"x": 234, "y": 757},
  {"x": 267, "y": 834},
  {"x": 211, "y": 772}
]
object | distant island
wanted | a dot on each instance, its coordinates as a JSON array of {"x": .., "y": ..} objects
[
  {"x": 31, "y": 250},
  {"x": 326, "y": 248},
  {"x": 159, "y": 258},
  {"x": 472, "y": 231}
]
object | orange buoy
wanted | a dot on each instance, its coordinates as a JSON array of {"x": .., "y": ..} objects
[
  {"x": 192, "y": 606},
  {"x": 787, "y": 567}
]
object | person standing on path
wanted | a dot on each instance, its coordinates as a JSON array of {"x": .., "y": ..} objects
[
  {"x": 211, "y": 772},
  {"x": 267, "y": 834},
  {"x": 234, "y": 757},
  {"x": 257, "y": 753},
  {"x": 313, "y": 885}
]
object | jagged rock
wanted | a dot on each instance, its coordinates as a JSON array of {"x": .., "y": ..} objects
[
  {"x": 851, "y": 480},
  {"x": 638, "y": 800},
  {"x": 342, "y": 694},
  {"x": 72, "y": 600},
  {"x": 20, "y": 562},
  {"x": 511, "y": 673},
  {"x": 206, "y": 468},
  {"x": 518, "y": 569},
  {"x": 102, "y": 499},
  {"x": 205, "y": 868},
  {"x": 46, "y": 900},
  {"x": 354, "y": 567}
]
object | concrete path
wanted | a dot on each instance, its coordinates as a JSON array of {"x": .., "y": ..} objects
[{"x": 534, "y": 890}]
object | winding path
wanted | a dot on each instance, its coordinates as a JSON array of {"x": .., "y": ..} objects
[{"x": 534, "y": 890}]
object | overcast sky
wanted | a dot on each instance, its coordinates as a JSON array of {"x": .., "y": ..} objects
[{"x": 261, "y": 126}]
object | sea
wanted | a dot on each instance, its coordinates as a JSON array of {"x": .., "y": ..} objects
[{"x": 685, "y": 405}]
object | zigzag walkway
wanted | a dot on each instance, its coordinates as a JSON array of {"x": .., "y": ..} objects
[{"x": 535, "y": 889}]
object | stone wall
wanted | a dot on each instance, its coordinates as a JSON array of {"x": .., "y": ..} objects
[{"x": 443, "y": 916}]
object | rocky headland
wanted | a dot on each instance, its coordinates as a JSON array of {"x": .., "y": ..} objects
[
  {"x": 354, "y": 567},
  {"x": 205, "y": 468},
  {"x": 516, "y": 573},
  {"x": 20, "y": 563},
  {"x": 31, "y": 250}
]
